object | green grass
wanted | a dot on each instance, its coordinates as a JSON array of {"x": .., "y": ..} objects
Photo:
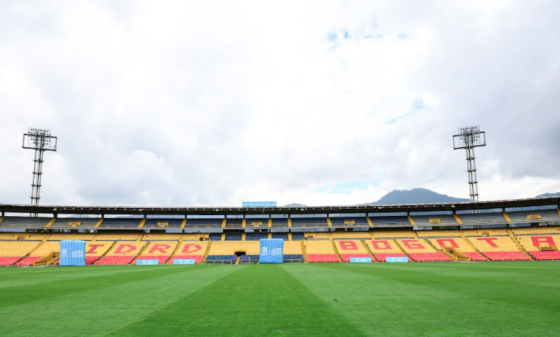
[{"x": 422, "y": 299}]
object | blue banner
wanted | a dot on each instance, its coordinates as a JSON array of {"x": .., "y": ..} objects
[
  {"x": 360, "y": 260},
  {"x": 147, "y": 262},
  {"x": 72, "y": 253},
  {"x": 396, "y": 259},
  {"x": 184, "y": 261},
  {"x": 272, "y": 251}
]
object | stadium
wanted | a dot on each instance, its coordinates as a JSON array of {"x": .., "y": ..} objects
[{"x": 260, "y": 168}]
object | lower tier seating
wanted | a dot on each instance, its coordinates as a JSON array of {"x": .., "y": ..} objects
[
  {"x": 28, "y": 261},
  {"x": 190, "y": 250},
  {"x": 221, "y": 259},
  {"x": 114, "y": 260},
  {"x": 507, "y": 256},
  {"x": 293, "y": 258},
  {"x": 429, "y": 257},
  {"x": 381, "y": 256},
  {"x": 546, "y": 255},
  {"x": 322, "y": 258},
  {"x": 161, "y": 259},
  {"x": 475, "y": 256},
  {"x": 249, "y": 259},
  {"x": 8, "y": 261},
  {"x": 346, "y": 257}
]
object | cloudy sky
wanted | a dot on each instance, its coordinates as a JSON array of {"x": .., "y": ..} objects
[{"x": 197, "y": 103}]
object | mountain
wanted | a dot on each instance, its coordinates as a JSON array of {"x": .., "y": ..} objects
[
  {"x": 295, "y": 205},
  {"x": 415, "y": 196},
  {"x": 547, "y": 195}
]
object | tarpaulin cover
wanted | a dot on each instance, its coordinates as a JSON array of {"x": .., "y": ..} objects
[
  {"x": 72, "y": 253},
  {"x": 272, "y": 251}
]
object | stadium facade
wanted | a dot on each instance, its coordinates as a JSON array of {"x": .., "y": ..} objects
[{"x": 507, "y": 230}]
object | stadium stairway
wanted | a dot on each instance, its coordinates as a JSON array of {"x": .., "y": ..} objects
[
  {"x": 28, "y": 259},
  {"x": 514, "y": 239},
  {"x": 47, "y": 260}
]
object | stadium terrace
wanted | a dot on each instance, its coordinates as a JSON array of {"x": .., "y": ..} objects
[{"x": 511, "y": 230}]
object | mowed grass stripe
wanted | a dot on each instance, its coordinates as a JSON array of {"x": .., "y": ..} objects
[
  {"x": 409, "y": 301},
  {"x": 107, "y": 308},
  {"x": 29, "y": 276},
  {"x": 258, "y": 300},
  {"x": 50, "y": 288}
]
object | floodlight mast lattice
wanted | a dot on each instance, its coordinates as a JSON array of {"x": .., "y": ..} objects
[
  {"x": 39, "y": 140},
  {"x": 469, "y": 138}
]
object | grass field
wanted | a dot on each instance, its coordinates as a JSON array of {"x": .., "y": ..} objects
[{"x": 422, "y": 299}]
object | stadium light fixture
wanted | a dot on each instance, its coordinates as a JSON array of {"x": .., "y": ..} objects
[
  {"x": 469, "y": 138},
  {"x": 39, "y": 140}
]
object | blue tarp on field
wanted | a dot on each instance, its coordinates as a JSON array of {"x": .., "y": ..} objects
[
  {"x": 72, "y": 253},
  {"x": 272, "y": 251}
]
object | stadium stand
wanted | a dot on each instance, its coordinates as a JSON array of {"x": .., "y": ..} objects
[
  {"x": 122, "y": 252},
  {"x": 442, "y": 220},
  {"x": 309, "y": 222},
  {"x": 456, "y": 246},
  {"x": 544, "y": 247},
  {"x": 82, "y": 237},
  {"x": 166, "y": 223},
  {"x": 84, "y": 223},
  {"x": 249, "y": 259},
  {"x": 498, "y": 248},
  {"x": 422, "y": 251},
  {"x": 389, "y": 220},
  {"x": 279, "y": 222},
  {"x": 234, "y": 237},
  {"x": 13, "y": 251},
  {"x": 120, "y": 223},
  {"x": 483, "y": 219},
  {"x": 339, "y": 221},
  {"x": 95, "y": 250},
  {"x": 393, "y": 235},
  {"x": 283, "y": 236},
  {"x": 297, "y": 236},
  {"x": 350, "y": 235},
  {"x": 25, "y": 222},
  {"x": 534, "y": 216},
  {"x": 234, "y": 224},
  {"x": 438, "y": 234},
  {"x": 43, "y": 249},
  {"x": 351, "y": 248},
  {"x": 215, "y": 236},
  {"x": 256, "y": 236},
  {"x": 116, "y": 237},
  {"x": 382, "y": 249},
  {"x": 204, "y": 223},
  {"x": 320, "y": 251},
  {"x": 190, "y": 250},
  {"x": 536, "y": 230},
  {"x": 158, "y": 250},
  {"x": 161, "y": 237}
]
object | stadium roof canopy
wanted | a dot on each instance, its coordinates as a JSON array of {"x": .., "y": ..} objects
[{"x": 218, "y": 210}]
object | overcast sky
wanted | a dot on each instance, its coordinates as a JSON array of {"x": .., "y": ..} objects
[{"x": 198, "y": 103}]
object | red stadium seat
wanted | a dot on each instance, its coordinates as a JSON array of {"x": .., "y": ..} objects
[
  {"x": 8, "y": 261},
  {"x": 322, "y": 258},
  {"x": 507, "y": 256},
  {"x": 429, "y": 257},
  {"x": 114, "y": 260}
]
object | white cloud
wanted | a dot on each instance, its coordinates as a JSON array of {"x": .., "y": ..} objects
[{"x": 213, "y": 103}]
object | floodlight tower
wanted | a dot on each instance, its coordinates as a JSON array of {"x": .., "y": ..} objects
[
  {"x": 39, "y": 140},
  {"x": 469, "y": 138}
]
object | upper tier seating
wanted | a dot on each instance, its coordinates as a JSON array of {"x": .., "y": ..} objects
[
  {"x": 255, "y": 236},
  {"x": 351, "y": 248},
  {"x": 382, "y": 249},
  {"x": 534, "y": 216},
  {"x": 499, "y": 248},
  {"x": 24, "y": 222},
  {"x": 204, "y": 223},
  {"x": 380, "y": 221},
  {"x": 320, "y": 251},
  {"x": 421, "y": 250},
  {"x": 233, "y": 237},
  {"x": 483, "y": 219},
  {"x": 297, "y": 236},
  {"x": 120, "y": 223},
  {"x": 171, "y": 223},
  {"x": 279, "y": 222},
  {"x": 86, "y": 223},
  {"x": 257, "y": 223},
  {"x": 283, "y": 236},
  {"x": 434, "y": 220},
  {"x": 234, "y": 223},
  {"x": 532, "y": 244},
  {"x": 158, "y": 250},
  {"x": 309, "y": 222},
  {"x": 485, "y": 232},
  {"x": 191, "y": 250},
  {"x": 123, "y": 252},
  {"x": 361, "y": 221}
]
